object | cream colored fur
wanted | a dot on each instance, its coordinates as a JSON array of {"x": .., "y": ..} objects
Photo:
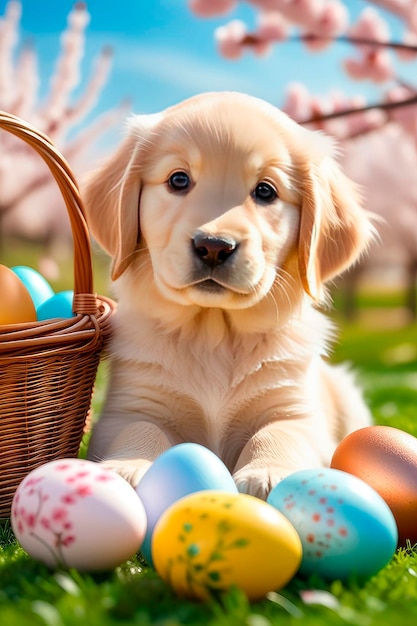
[{"x": 231, "y": 356}]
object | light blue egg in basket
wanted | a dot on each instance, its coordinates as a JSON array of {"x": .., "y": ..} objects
[
  {"x": 39, "y": 288},
  {"x": 59, "y": 306}
]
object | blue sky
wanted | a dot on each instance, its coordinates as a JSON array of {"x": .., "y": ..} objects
[{"x": 162, "y": 53}]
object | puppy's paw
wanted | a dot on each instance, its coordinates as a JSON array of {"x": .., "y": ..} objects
[
  {"x": 131, "y": 472},
  {"x": 257, "y": 481}
]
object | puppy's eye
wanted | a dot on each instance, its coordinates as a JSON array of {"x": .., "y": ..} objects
[
  {"x": 179, "y": 181},
  {"x": 264, "y": 192}
]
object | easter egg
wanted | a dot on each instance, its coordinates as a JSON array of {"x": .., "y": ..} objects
[
  {"x": 177, "y": 472},
  {"x": 38, "y": 287},
  {"x": 76, "y": 513},
  {"x": 209, "y": 541},
  {"x": 16, "y": 304},
  {"x": 58, "y": 306},
  {"x": 385, "y": 458},
  {"x": 346, "y": 528}
]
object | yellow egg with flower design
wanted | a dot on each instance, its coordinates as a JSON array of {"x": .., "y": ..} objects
[{"x": 210, "y": 541}]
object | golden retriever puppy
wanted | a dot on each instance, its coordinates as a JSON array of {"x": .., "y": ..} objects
[{"x": 224, "y": 219}]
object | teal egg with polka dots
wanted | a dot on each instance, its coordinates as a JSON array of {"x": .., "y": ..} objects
[{"x": 347, "y": 530}]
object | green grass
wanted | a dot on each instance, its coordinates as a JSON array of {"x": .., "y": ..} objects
[{"x": 133, "y": 594}]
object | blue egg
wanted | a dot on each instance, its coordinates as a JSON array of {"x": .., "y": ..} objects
[
  {"x": 38, "y": 287},
  {"x": 178, "y": 472},
  {"x": 346, "y": 529},
  {"x": 59, "y": 306}
]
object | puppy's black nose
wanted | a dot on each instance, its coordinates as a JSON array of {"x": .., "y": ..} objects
[{"x": 213, "y": 250}]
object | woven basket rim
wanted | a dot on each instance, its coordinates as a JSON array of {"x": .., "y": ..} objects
[{"x": 81, "y": 332}]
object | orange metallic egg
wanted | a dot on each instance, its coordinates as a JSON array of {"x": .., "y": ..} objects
[
  {"x": 16, "y": 304},
  {"x": 386, "y": 459}
]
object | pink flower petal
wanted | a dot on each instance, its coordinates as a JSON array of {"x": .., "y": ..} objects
[{"x": 209, "y": 8}]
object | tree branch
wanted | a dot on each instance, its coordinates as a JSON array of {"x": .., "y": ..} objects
[
  {"x": 252, "y": 39},
  {"x": 384, "y": 106}
]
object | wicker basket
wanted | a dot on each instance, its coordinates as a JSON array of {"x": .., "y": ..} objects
[{"x": 48, "y": 369}]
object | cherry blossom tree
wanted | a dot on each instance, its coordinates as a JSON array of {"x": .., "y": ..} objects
[
  {"x": 378, "y": 140},
  {"x": 30, "y": 203}
]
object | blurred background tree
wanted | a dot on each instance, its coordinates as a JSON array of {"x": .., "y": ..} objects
[
  {"x": 31, "y": 207},
  {"x": 378, "y": 140}
]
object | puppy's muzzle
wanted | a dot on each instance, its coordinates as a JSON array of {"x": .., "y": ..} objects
[{"x": 211, "y": 250}]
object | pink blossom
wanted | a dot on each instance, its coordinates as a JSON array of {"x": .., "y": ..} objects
[
  {"x": 298, "y": 102},
  {"x": 62, "y": 467},
  {"x": 84, "y": 490},
  {"x": 68, "y": 540},
  {"x": 321, "y": 105},
  {"x": 261, "y": 48},
  {"x": 356, "y": 68},
  {"x": 59, "y": 514},
  {"x": 410, "y": 39},
  {"x": 302, "y": 106},
  {"x": 27, "y": 74},
  {"x": 30, "y": 520},
  {"x": 68, "y": 498},
  {"x": 67, "y": 74},
  {"x": 230, "y": 39},
  {"x": 304, "y": 13},
  {"x": 388, "y": 157},
  {"x": 8, "y": 41},
  {"x": 77, "y": 475},
  {"x": 272, "y": 27},
  {"x": 31, "y": 481},
  {"x": 339, "y": 126},
  {"x": 83, "y": 473},
  {"x": 271, "y": 5},
  {"x": 23, "y": 183},
  {"x": 209, "y": 8},
  {"x": 333, "y": 20},
  {"x": 362, "y": 121},
  {"x": 406, "y": 10},
  {"x": 370, "y": 25},
  {"x": 331, "y": 23},
  {"x": 375, "y": 65},
  {"x": 406, "y": 116},
  {"x": 104, "y": 477},
  {"x": 380, "y": 66},
  {"x": 412, "y": 17},
  {"x": 45, "y": 523}
]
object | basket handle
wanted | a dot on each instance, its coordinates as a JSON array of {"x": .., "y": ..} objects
[{"x": 85, "y": 302}]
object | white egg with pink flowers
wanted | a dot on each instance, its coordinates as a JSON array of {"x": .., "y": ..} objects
[{"x": 76, "y": 513}]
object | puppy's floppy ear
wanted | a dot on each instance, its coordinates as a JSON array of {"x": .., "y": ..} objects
[
  {"x": 334, "y": 228},
  {"x": 112, "y": 194}
]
